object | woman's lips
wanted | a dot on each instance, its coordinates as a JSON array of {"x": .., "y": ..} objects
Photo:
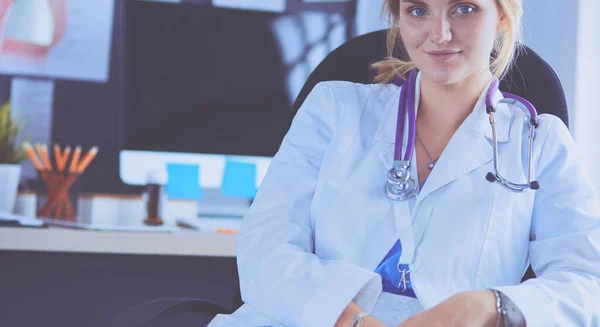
[{"x": 442, "y": 56}]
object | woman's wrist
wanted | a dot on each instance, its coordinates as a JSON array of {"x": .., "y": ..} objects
[
  {"x": 489, "y": 308},
  {"x": 513, "y": 316},
  {"x": 347, "y": 317},
  {"x": 507, "y": 312},
  {"x": 353, "y": 310},
  {"x": 370, "y": 321}
]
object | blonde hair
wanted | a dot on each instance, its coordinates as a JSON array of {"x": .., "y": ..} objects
[{"x": 506, "y": 45}]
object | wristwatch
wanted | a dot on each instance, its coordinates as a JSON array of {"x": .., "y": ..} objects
[{"x": 358, "y": 319}]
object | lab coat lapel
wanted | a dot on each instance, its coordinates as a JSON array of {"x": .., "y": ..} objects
[
  {"x": 466, "y": 151},
  {"x": 470, "y": 147}
]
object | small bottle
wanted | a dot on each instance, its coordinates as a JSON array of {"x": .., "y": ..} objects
[
  {"x": 26, "y": 203},
  {"x": 155, "y": 197}
]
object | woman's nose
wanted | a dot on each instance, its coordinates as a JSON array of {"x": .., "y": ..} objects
[{"x": 441, "y": 31}]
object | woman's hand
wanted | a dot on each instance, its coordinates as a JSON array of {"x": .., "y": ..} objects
[{"x": 469, "y": 309}]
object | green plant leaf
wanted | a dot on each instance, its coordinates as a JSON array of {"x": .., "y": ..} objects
[{"x": 10, "y": 152}]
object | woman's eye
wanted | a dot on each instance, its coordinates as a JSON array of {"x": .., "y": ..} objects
[
  {"x": 418, "y": 12},
  {"x": 465, "y": 9}
]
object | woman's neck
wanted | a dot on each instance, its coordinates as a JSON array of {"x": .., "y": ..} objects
[{"x": 445, "y": 107}]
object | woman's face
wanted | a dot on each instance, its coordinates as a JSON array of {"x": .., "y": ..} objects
[{"x": 448, "y": 40}]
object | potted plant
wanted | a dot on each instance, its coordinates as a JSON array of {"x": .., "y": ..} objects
[{"x": 11, "y": 155}]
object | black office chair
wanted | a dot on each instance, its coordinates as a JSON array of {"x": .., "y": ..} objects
[{"x": 530, "y": 77}]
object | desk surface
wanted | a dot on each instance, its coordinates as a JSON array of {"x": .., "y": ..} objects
[{"x": 185, "y": 243}]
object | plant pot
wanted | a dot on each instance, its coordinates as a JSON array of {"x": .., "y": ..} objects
[{"x": 9, "y": 184}]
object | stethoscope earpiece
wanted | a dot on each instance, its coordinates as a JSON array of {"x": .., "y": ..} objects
[{"x": 491, "y": 177}]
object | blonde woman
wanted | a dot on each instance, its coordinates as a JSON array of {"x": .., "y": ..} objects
[{"x": 322, "y": 245}]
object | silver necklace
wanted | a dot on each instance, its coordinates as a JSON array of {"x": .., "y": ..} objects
[{"x": 432, "y": 161}]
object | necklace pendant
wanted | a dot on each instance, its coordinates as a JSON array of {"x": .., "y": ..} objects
[{"x": 431, "y": 164}]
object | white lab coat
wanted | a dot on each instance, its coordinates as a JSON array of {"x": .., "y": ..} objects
[{"x": 321, "y": 222}]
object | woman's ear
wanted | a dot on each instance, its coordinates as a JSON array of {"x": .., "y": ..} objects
[{"x": 501, "y": 23}]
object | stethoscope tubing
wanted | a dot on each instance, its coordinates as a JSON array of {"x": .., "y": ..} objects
[{"x": 404, "y": 185}]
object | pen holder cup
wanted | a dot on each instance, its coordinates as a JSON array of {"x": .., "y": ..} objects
[{"x": 57, "y": 204}]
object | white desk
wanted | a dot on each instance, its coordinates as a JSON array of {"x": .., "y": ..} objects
[{"x": 186, "y": 243}]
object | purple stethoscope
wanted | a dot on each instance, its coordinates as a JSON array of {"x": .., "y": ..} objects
[{"x": 401, "y": 186}]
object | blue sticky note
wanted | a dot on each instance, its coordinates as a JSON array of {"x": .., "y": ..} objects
[
  {"x": 239, "y": 179},
  {"x": 183, "y": 182}
]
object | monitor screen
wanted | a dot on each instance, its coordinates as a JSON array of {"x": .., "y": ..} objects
[{"x": 201, "y": 79}]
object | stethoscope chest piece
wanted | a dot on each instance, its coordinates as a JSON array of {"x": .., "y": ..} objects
[{"x": 400, "y": 185}]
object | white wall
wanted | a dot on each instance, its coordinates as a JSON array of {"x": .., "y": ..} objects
[
  {"x": 586, "y": 115},
  {"x": 550, "y": 29}
]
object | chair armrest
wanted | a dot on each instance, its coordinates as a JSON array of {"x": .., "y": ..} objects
[{"x": 154, "y": 312}]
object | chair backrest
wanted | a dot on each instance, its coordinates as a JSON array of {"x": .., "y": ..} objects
[{"x": 530, "y": 76}]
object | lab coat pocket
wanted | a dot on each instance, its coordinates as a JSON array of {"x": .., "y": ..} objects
[{"x": 504, "y": 254}]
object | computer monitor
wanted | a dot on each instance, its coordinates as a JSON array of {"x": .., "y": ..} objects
[{"x": 204, "y": 85}]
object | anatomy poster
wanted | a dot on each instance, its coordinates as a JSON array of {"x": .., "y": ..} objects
[{"x": 67, "y": 39}]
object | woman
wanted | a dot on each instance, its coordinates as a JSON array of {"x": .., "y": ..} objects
[{"x": 323, "y": 246}]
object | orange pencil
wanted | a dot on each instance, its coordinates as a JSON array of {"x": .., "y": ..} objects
[
  {"x": 57, "y": 156},
  {"x": 32, "y": 156},
  {"x": 227, "y": 231},
  {"x": 75, "y": 159},
  {"x": 64, "y": 158},
  {"x": 43, "y": 150},
  {"x": 87, "y": 159}
]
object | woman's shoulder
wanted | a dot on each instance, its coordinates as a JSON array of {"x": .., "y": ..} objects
[
  {"x": 550, "y": 130},
  {"x": 556, "y": 145},
  {"x": 343, "y": 103},
  {"x": 350, "y": 96},
  {"x": 553, "y": 130},
  {"x": 345, "y": 88}
]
